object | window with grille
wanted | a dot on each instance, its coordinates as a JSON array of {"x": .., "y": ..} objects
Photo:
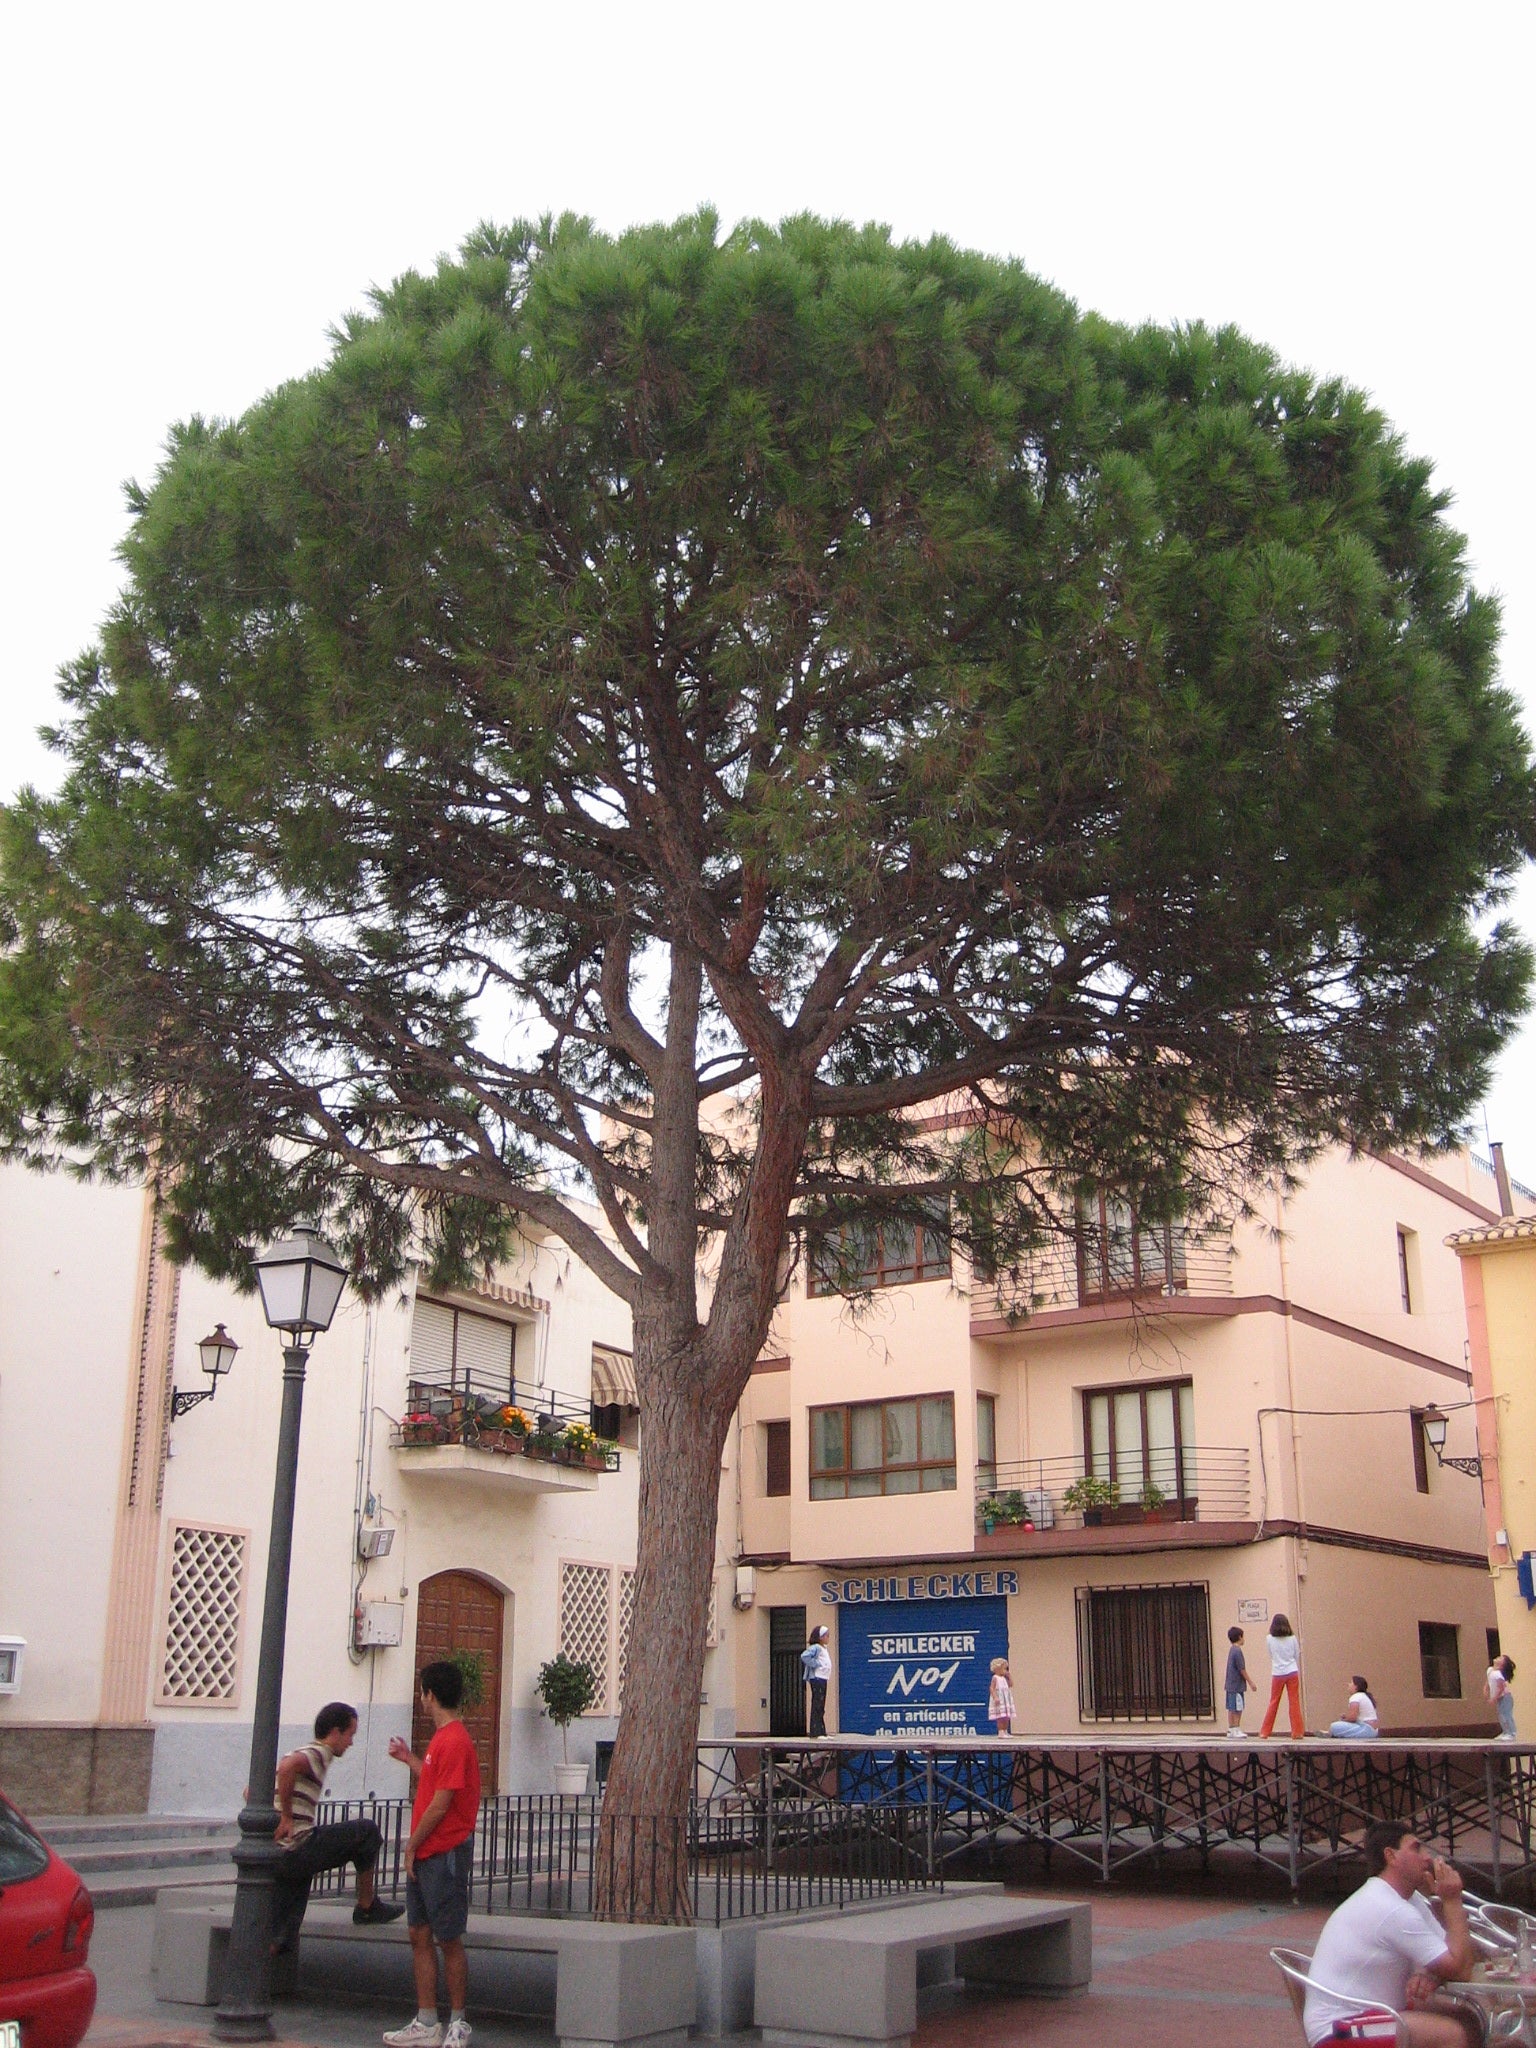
[
  {"x": 1120, "y": 1252},
  {"x": 1440, "y": 1660},
  {"x": 201, "y": 1665},
  {"x": 871, "y": 1447},
  {"x": 1144, "y": 1653},
  {"x": 586, "y": 1625},
  {"x": 884, "y": 1254}
]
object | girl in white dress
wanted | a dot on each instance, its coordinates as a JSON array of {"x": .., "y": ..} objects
[{"x": 1000, "y": 1698}]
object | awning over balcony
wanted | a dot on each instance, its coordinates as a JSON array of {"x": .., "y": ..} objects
[{"x": 613, "y": 1378}]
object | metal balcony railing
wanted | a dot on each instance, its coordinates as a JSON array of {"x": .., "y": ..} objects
[
  {"x": 1082, "y": 1274},
  {"x": 1209, "y": 1484},
  {"x": 472, "y": 1408}
]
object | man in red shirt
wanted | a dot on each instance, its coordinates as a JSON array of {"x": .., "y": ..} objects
[{"x": 438, "y": 1859}]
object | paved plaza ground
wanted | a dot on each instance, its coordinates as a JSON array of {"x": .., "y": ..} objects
[{"x": 1169, "y": 1969}]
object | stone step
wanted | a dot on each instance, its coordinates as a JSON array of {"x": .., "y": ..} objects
[
  {"x": 75, "y": 1830},
  {"x": 94, "y": 1859},
  {"x": 143, "y": 1887}
]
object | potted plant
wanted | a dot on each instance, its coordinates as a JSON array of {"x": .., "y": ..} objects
[
  {"x": 420, "y": 1427},
  {"x": 578, "y": 1445},
  {"x": 566, "y": 1689},
  {"x": 1090, "y": 1496},
  {"x": 989, "y": 1512}
]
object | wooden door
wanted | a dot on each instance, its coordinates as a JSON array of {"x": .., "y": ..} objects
[{"x": 458, "y": 1611}]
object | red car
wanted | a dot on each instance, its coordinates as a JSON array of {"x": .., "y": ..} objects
[{"x": 47, "y": 1994}]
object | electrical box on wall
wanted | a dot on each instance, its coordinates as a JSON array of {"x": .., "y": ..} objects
[
  {"x": 375, "y": 1542},
  {"x": 12, "y": 1650},
  {"x": 380, "y": 1624},
  {"x": 746, "y": 1588}
]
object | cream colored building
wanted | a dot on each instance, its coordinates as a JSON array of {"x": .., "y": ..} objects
[
  {"x": 133, "y": 1542},
  {"x": 1498, "y": 1272},
  {"x": 1265, "y": 1380}
]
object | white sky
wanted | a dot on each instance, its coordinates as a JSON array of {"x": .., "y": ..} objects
[{"x": 193, "y": 194}]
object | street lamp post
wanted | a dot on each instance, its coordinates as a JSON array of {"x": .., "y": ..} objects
[{"x": 301, "y": 1281}]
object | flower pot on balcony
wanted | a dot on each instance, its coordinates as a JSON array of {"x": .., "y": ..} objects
[
  {"x": 421, "y": 1433},
  {"x": 570, "y": 1780}
]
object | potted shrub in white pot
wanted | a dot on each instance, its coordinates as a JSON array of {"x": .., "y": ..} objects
[{"x": 566, "y": 1689}]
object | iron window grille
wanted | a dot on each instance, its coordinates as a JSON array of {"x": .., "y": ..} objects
[{"x": 1144, "y": 1653}]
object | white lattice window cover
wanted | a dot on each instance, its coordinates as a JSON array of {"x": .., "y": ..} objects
[
  {"x": 584, "y": 1625},
  {"x": 201, "y": 1666},
  {"x": 712, "y": 1619},
  {"x": 626, "y": 1617}
]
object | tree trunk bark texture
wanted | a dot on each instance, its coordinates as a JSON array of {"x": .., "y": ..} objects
[{"x": 643, "y": 1837}]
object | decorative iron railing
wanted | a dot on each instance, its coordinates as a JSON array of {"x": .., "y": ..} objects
[
  {"x": 758, "y": 1848},
  {"x": 1208, "y": 1484},
  {"x": 496, "y": 1412}
]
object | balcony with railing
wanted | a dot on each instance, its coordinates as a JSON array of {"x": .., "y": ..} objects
[
  {"x": 1112, "y": 1268},
  {"x": 1048, "y": 1504},
  {"x": 489, "y": 1426}
]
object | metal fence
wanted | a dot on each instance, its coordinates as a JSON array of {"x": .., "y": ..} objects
[
  {"x": 1205, "y": 1483},
  {"x": 737, "y": 1856}
]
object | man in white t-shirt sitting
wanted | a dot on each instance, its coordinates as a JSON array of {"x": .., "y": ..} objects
[{"x": 1384, "y": 1945}]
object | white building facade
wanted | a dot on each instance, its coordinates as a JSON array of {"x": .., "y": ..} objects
[{"x": 133, "y": 1541}]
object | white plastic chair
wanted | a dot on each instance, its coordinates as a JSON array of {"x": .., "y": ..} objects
[{"x": 1296, "y": 1969}]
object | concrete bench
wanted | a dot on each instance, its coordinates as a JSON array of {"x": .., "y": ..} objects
[
  {"x": 855, "y": 1979},
  {"x": 614, "y": 1983}
]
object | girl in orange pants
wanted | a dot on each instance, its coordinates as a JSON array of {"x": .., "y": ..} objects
[{"x": 1285, "y": 1670}]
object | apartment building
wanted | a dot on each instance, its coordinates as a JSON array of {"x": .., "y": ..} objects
[
  {"x": 1191, "y": 1430},
  {"x": 134, "y": 1522}
]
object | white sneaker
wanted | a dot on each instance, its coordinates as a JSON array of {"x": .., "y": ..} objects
[
  {"x": 1237, "y": 1735},
  {"x": 458, "y": 2034},
  {"x": 417, "y": 2035}
]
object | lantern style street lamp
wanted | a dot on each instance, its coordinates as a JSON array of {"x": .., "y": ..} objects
[
  {"x": 217, "y": 1354},
  {"x": 301, "y": 1280},
  {"x": 1433, "y": 1424}
]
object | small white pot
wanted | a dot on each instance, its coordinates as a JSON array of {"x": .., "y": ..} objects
[{"x": 570, "y": 1779}]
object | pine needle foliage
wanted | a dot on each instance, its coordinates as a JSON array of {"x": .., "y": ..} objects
[{"x": 653, "y": 716}]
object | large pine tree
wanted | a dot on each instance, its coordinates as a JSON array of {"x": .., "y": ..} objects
[{"x": 649, "y": 714}]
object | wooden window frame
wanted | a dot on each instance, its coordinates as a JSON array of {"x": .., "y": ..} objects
[
  {"x": 1095, "y": 1283},
  {"x": 1420, "y": 1451},
  {"x": 985, "y": 1466},
  {"x": 826, "y": 1475},
  {"x": 1404, "y": 1273},
  {"x": 1183, "y": 1453},
  {"x": 924, "y": 1265},
  {"x": 777, "y": 1454},
  {"x": 1429, "y": 1656}
]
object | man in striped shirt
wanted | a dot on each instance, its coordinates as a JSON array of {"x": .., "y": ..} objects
[{"x": 311, "y": 1849}]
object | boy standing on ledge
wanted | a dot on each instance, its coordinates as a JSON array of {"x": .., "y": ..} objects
[{"x": 439, "y": 1857}]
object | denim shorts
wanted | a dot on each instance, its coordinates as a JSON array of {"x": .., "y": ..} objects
[
  {"x": 437, "y": 1892},
  {"x": 1235, "y": 1702}
]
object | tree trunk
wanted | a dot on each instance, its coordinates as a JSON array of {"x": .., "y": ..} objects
[{"x": 643, "y": 1836}]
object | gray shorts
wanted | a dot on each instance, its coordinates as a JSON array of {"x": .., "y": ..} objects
[{"x": 437, "y": 1892}]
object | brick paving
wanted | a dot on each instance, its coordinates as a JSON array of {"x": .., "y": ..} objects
[{"x": 1168, "y": 1970}]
